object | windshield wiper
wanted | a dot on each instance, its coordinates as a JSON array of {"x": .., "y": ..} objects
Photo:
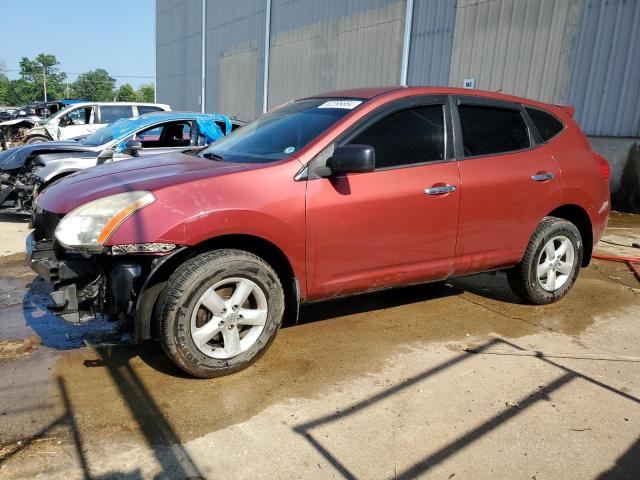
[{"x": 212, "y": 156}]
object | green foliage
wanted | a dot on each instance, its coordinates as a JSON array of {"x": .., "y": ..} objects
[
  {"x": 32, "y": 71},
  {"x": 4, "y": 89},
  {"x": 126, "y": 93},
  {"x": 146, "y": 92},
  {"x": 96, "y": 85}
]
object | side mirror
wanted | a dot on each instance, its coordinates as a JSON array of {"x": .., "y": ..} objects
[
  {"x": 351, "y": 159},
  {"x": 131, "y": 147}
]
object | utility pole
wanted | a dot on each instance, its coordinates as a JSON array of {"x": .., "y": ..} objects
[{"x": 44, "y": 79}]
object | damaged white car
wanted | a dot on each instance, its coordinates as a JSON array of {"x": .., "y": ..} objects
[{"x": 78, "y": 119}]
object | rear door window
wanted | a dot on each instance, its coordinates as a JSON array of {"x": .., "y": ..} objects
[
  {"x": 414, "y": 135},
  {"x": 547, "y": 125},
  {"x": 111, "y": 113},
  {"x": 489, "y": 130}
]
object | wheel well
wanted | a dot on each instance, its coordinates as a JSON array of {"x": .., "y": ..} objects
[
  {"x": 55, "y": 179},
  {"x": 143, "y": 327},
  {"x": 580, "y": 218}
]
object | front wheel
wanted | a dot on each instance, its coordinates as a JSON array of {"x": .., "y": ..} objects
[
  {"x": 219, "y": 312},
  {"x": 36, "y": 139},
  {"x": 550, "y": 264}
]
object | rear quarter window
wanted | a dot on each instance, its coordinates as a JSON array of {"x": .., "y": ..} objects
[
  {"x": 488, "y": 130},
  {"x": 142, "y": 109},
  {"x": 547, "y": 125}
]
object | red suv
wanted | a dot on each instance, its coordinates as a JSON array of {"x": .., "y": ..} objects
[{"x": 332, "y": 195}]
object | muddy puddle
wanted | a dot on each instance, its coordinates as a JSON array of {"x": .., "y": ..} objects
[{"x": 135, "y": 387}]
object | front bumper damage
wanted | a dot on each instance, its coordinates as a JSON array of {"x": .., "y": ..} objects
[
  {"x": 85, "y": 284},
  {"x": 18, "y": 190}
]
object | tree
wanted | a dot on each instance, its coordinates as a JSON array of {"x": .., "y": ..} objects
[
  {"x": 20, "y": 92},
  {"x": 146, "y": 93},
  {"x": 34, "y": 71},
  {"x": 126, "y": 93},
  {"x": 4, "y": 89},
  {"x": 96, "y": 85}
]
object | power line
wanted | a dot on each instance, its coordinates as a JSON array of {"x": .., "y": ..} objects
[{"x": 76, "y": 73}]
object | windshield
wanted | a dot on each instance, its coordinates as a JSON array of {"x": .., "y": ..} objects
[
  {"x": 106, "y": 134},
  {"x": 281, "y": 133}
]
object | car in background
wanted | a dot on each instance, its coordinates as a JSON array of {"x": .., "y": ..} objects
[
  {"x": 323, "y": 197},
  {"x": 76, "y": 119},
  {"x": 87, "y": 117},
  {"x": 16, "y": 123},
  {"x": 27, "y": 170}
]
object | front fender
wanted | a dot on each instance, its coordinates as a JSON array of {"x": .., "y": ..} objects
[
  {"x": 64, "y": 166},
  {"x": 157, "y": 223}
]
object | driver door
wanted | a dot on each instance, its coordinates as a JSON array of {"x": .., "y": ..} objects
[
  {"x": 76, "y": 123},
  {"x": 397, "y": 224}
]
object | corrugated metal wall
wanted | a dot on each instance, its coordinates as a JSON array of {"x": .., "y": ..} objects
[
  {"x": 518, "y": 47},
  {"x": 605, "y": 86},
  {"x": 431, "y": 42},
  {"x": 583, "y": 52},
  {"x": 235, "y": 57},
  {"x": 318, "y": 46},
  {"x": 178, "y": 53}
]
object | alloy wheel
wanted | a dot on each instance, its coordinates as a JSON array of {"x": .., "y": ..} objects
[
  {"x": 555, "y": 263},
  {"x": 229, "y": 317}
]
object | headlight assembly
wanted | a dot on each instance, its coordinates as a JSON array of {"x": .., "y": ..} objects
[{"x": 90, "y": 225}]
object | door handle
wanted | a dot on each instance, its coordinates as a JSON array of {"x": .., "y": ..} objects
[
  {"x": 440, "y": 190},
  {"x": 542, "y": 176}
]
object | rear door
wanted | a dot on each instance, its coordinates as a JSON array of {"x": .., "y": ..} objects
[
  {"x": 396, "y": 224},
  {"x": 510, "y": 182}
]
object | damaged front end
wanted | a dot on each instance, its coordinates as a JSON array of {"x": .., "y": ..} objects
[
  {"x": 18, "y": 189},
  {"x": 86, "y": 284},
  {"x": 14, "y": 132}
]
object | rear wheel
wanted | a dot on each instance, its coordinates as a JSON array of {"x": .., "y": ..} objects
[
  {"x": 219, "y": 312},
  {"x": 36, "y": 139},
  {"x": 550, "y": 264}
]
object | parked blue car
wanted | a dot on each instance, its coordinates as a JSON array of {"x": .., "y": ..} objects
[{"x": 27, "y": 170}]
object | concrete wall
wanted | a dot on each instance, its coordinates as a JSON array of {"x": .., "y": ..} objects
[
  {"x": 625, "y": 169},
  {"x": 178, "y": 53}
]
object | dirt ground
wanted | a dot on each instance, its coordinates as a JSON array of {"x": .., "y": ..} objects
[{"x": 451, "y": 380}]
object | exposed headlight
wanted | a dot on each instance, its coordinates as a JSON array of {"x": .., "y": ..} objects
[{"x": 90, "y": 225}]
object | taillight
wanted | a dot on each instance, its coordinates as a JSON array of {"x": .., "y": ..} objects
[{"x": 604, "y": 166}]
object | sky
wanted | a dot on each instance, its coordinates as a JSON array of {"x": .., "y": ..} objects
[{"x": 117, "y": 35}]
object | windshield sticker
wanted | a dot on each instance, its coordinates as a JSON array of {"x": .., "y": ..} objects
[
  {"x": 346, "y": 104},
  {"x": 289, "y": 149}
]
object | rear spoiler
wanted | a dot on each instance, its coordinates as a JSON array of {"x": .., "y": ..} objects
[{"x": 567, "y": 108}]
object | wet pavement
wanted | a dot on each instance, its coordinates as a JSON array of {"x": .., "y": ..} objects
[{"x": 456, "y": 378}]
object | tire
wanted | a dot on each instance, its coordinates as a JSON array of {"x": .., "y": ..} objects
[
  {"x": 190, "y": 309},
  {"x": 528, "y": 279},
  {"x": 36, "y": 139}
]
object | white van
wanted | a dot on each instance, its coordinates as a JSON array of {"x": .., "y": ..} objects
[{"x": 84, "y": 118}]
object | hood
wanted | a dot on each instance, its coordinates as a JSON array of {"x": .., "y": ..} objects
[
  {"x": 148, "y": 173},
  {"x": 17, "y": 157}
]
